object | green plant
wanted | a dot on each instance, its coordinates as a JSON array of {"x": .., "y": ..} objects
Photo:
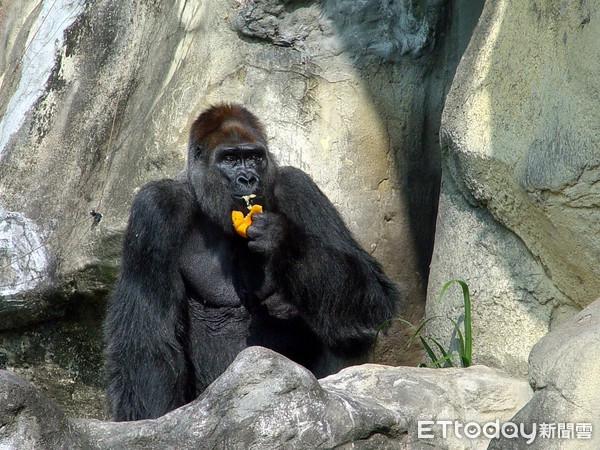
[
  {"x": 465, "y": 339},
  {"x": 443, "y": 358}
]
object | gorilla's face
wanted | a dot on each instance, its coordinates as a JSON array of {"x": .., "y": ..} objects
[
  {"x": 243, "y": 166},
  {"x": 229, "y": 165}
]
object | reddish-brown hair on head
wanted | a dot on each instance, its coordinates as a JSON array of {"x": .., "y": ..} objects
[{"x": 226, "y": 121}]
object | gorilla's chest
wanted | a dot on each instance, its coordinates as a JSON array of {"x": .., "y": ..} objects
[{"x": 220, "y": 272}]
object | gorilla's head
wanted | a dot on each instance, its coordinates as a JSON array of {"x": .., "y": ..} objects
[{"x": 228, "y": 159}]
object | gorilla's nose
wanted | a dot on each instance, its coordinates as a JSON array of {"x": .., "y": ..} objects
[{"x": 247, "y": 181}]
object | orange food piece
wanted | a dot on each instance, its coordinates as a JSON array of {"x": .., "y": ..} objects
[{"x": 241, "y": 222}]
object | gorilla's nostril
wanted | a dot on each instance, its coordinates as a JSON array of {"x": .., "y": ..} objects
[{"x": 247, "y": 180}]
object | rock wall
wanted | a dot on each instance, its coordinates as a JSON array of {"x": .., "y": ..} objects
[
  {"x": 520, "y": 204},
  {"x": 106, "y": 105},
  {"x": 96, "y": 99}
]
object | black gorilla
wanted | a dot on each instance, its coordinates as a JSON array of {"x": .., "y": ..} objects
[{"x": 192, "y": 293}]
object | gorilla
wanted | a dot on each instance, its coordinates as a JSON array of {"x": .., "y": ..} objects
[{"x": 192, "y": 293}]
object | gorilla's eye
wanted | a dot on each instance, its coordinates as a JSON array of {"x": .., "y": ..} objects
[
  {"x": 229, "y": 158},
  {"x": 255, "y": 157}
]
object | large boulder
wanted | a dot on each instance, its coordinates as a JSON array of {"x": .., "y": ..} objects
[
  {"x": 563, "y": 369},
  {"x": 520, "y": 204},
  {"x": 266, "y": 401}
]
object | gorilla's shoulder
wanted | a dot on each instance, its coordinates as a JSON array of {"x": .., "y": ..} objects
[
  {"x": 294, "y": 185},
  {"x": 293, "y": 179},
  {"x": 164, "y": 198},
  {"x": 290, "y": 174},
  {"x": 167, "y": 188}
]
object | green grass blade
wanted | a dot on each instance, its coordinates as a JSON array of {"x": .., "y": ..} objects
[
  {"x": 461, "y": 344},
  {"x": 420, "y": 327},
  {"x": 445, "y": 355},
  {"x": 466, "y": 342},
  {"x": 467, "y": 324},
  {"x": 380, "y": 328},
  {"x": 430, "y": 352},
  {"x": 446, "y": 359}
]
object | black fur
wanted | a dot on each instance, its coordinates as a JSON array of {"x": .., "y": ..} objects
[{"x": 192, "y": 294}]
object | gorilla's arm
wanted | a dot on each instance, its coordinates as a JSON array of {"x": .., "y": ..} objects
[
  {"x": 340, "y": 290},
  {"x": 146, "y": 364}
]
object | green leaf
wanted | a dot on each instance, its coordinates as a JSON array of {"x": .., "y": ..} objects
[
  {"x": 445, "y": 355},
  {"x": 420, "y": 327},
  {"x": 447, "y": 359},
  {"x": 466, "y": 343},
  {"x": 430, "y": 352}
]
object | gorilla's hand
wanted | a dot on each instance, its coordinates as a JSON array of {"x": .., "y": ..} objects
[{"x": 266, "y": 233}]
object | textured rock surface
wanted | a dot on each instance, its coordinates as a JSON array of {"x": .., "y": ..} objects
[
  {"x": 28, "y": 420},
  {"x": 563, "y": 369},
  {"x": 265, "y": 401},
  {"x": 63, "y": 358},
  {"x": 513, "y": 301},
  {"x": 96, "y": 99},
  {"x": 106, "y": 92},
  {"x": 520, "y": 206}
]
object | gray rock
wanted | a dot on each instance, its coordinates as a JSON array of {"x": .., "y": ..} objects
[
  {"x": 520, "y": 148},
  {"x": 28, "y": 420},
  {"x": 24, "y": 266},
  {"x": 563, "y": 368},
  {"x": 276, "y": 22},
  {"x": 266, "y": 401},
  {"x": 64, "y": 358},
  {"x": 513, "y": 301}
]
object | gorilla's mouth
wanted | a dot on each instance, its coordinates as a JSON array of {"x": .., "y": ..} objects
[{"x": 245, "y": 201}]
